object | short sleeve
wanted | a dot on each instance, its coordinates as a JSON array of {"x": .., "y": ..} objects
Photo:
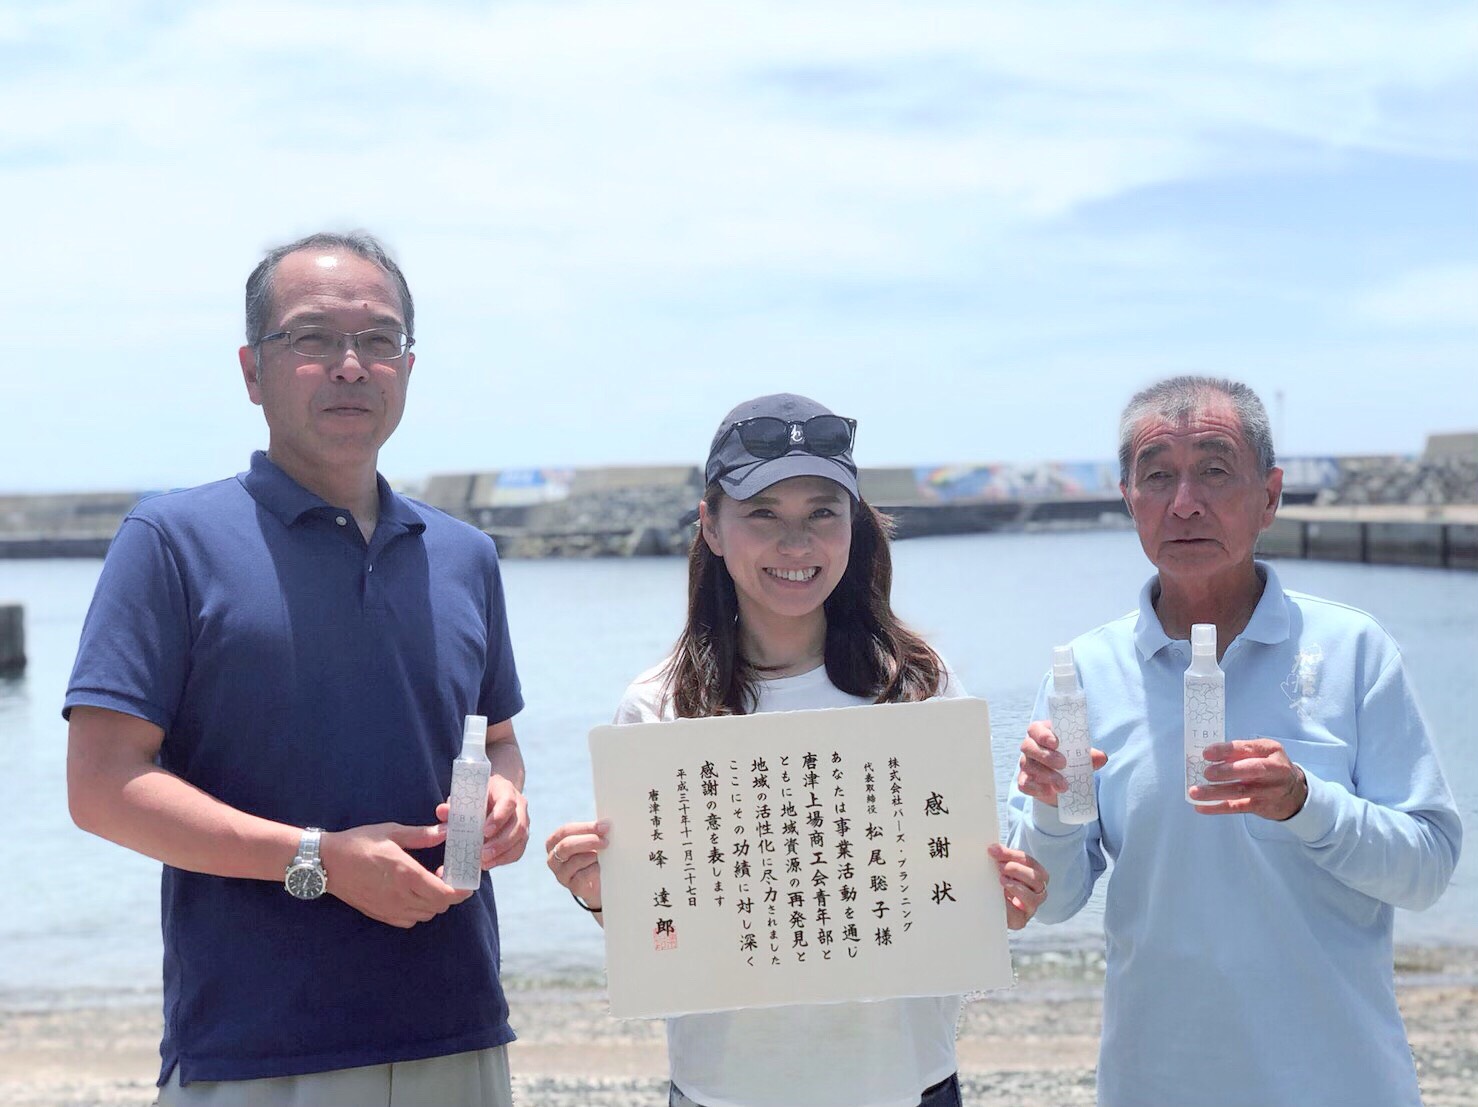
[
  {"x": 501, "y": 696},
  {"x": 646, "y": 699},
  {"x": 134, "y": 654},
  {"x": 950, "y": 688}
]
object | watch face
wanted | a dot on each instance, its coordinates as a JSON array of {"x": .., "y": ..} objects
[{"x": 305, "y": 881}]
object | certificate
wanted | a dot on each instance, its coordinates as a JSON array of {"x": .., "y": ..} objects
[{"x": 799, "y": 857}]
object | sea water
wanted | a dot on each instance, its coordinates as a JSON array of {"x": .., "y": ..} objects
[{"x": 88, "y": 917}]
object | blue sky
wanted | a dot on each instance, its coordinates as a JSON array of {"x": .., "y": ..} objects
[{"x": 975, "y": 227}]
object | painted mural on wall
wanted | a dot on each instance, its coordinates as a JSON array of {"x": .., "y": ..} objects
[
  {"x": 1044, "y": 481},
  {"x": 516, "y": 487},
  {"x": 1060, "y": 480}
]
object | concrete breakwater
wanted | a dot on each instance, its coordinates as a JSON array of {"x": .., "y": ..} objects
[
  {"x": 619, "y": 511},
  {"x": 650, "y": 510},
  {"x": 62, "y": 525},
  {"x": 1432, "y": 481},
  {"x": 1390, "y": 511},
  {"x": 625, "y": 511}
]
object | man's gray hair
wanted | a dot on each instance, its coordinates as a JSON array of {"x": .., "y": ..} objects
[
  {"x": 360, "y": 243},
  {"x": 1179, "y": 398}
]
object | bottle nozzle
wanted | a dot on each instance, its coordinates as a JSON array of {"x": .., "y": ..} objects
[
  {"x": 475, "y": 734},
  {"x": 1064, "y": 672},
  {"x": 1203, "y": 638}
]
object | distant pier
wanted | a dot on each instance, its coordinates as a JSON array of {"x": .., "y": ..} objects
[{"x": 1392, "y": 534}]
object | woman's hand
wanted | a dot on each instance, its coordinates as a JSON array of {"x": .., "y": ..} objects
[
  {"x": 1023, "y": 883},
  {"x": 572, "y": 854}
]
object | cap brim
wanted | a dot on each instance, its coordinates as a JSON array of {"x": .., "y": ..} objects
[{"x": 751, "y": 480}]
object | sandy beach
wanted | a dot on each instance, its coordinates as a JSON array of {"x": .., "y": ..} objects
[{"x": 1034, "y": 1046}]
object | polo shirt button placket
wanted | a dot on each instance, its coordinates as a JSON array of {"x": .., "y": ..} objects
[{"x": 373, "y": 607}]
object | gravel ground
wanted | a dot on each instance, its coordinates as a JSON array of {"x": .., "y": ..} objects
[{"x": 1032, "y": 1047}]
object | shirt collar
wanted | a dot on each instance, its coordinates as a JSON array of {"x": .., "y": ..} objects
[
  {"x": 396, "y": 509},
  {"x": 1269, "y": 623},
  {"x": 290, "y": 502}
]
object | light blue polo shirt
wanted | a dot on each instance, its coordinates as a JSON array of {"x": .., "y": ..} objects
[
  {"x": 1250, "y": 961},
  {"x": 306, "y": 676}
]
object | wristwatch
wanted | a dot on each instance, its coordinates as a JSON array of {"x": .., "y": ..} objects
[{"x": 305, "y": 876}]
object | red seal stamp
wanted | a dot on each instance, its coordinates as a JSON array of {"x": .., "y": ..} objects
[{"x": 664, "y": 937}]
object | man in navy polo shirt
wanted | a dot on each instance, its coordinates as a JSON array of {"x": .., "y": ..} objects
[{"x": 268, "y": 696}]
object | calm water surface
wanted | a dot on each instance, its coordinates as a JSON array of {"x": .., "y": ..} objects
[{"x": 81, "y": 914}]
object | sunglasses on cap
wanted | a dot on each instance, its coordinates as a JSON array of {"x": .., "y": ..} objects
[{"x": 767, "y": 437}]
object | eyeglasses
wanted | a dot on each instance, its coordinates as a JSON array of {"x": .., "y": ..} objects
[
  {"x": 324, "y": 343},
  {"x": 767, "y": 437}
]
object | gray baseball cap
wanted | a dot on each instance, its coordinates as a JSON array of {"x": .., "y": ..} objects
[{"x": 773, "y": 438}]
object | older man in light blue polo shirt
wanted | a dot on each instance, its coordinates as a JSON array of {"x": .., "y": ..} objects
[{"x": 1249, "y": 937}]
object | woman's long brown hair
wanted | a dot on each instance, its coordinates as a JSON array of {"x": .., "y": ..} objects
[{"x": 869, "y": 652}]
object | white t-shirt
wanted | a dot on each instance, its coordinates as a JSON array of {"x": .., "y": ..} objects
[{"x": 882, "y": 1053}]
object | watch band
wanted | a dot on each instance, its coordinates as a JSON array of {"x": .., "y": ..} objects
[{"x": 308, "y": 845}]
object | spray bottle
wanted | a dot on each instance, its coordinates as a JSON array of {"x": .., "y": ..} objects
[
  {"x": 1205, "y": 705},
  {"x": 1068, "y": 707},
  {"x": 468, "y": 805}
]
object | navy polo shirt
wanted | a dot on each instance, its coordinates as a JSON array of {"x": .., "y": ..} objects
[{"x": 306, "y": 676}]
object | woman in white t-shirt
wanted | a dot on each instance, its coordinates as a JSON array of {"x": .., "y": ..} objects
[{"x": 788, "y": 609}]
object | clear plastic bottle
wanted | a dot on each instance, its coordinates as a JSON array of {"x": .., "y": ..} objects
[
  {"x": 468, "y": 803},
  {"x": 1205, "y": 705},
  {"x": 1068, "y": 707}
]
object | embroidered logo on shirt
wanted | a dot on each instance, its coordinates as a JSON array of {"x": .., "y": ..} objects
[{"x": 1302, "y": 683}]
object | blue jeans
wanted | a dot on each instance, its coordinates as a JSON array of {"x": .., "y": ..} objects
[{"x": 944, "y": 1094}]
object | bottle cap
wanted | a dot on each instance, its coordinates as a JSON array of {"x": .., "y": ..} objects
[
  {"x": 475, "y": 734},
  {"x": 1203, "y": 638}
]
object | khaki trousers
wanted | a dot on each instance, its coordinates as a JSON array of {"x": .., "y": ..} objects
[{"x": 475, "y": 1079}]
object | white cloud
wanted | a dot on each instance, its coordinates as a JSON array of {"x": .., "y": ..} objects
[{"x": 636, "y": 197}]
